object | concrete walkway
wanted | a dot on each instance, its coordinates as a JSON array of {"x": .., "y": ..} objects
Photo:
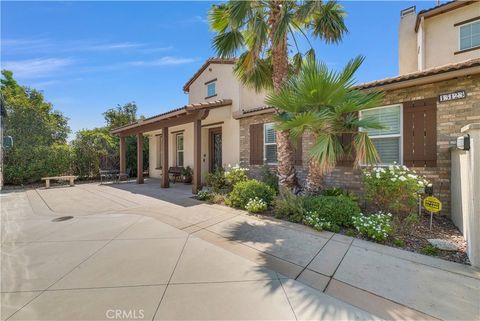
[{"x": 141, "y": 252}]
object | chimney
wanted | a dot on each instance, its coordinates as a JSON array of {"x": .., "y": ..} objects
[{"x": 407, "y": 42}]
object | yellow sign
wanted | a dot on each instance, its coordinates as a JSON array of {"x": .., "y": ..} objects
[{"x": 432, "y": 204}]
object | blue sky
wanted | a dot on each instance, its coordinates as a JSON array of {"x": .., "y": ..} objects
[{"x": 89, "y": 56}]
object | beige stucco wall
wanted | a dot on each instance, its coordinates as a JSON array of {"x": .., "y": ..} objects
[
  {"x": 230, "y": 142},
  {"x": 442, "y": 38},
  {"x": 227, "y": 87},
  {"x": 407, "y": 44}
]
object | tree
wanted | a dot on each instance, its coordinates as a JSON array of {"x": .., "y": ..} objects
[
  {"x": 325, "y": 105},
  {"x": 262, "y": 30},
  {"x": 39, "y": 133},
  {"x": 122, "y": 115},
  {"x": 94, "y": 149}
]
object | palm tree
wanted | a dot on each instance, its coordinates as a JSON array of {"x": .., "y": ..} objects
[
  {"x": 261, "y": 31},
  {"x": 325, "y": 105}
]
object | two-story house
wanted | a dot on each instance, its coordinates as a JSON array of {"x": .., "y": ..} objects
[{"x": 436, "y": 93}]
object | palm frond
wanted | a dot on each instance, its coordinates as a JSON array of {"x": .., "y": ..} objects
[
  {"x": 253, "y": 71},
  {"x": 328, "y": 22},
  {"x": 218, "y": 17},
  {"x": 365, "y": 151},
  {"x": 325, "y": 151},
  {"x": 227, "y": 43}
]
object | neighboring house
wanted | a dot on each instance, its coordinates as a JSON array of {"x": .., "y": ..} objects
[{"x": 424, "y": 108}]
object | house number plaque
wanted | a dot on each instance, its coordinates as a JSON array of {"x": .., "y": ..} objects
[{"x": 460, "y": 94}]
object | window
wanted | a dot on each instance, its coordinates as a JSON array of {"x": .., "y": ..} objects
[
  {"x": 269, "y": 144},
  {"x": 159, "y": 152},
  {"x": 388, "y": 140},
  {"x": 179, "y": 148},
  {"x": 211, "y": 89},
  {"x": 470, "y": 35}
]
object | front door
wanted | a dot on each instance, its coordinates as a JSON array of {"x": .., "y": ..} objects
[{"x": 215, "y": 146}]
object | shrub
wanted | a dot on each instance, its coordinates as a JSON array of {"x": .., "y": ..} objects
[
  {"x": 216, "y": 198},
  {"x": 394, "y": 188},
  {"x": 376, "y": 226},
  {"x": 269, "y": 177},
  {"x": 337, "y": 191},
  {"x": 204, "y": 195},
  {"x": 399, "y": 243},
  {"x": 289, "y": 206},
  {"x": 429, "y": 249},
  {"x": 244, "y": 191},
  {"x": 256, "y": 205},
  {"x": 338, "y": 210},
  {"x": 315, "y": 220},
  {"x": 216, "y": 181},
  {"x": 235, "y": 175}
]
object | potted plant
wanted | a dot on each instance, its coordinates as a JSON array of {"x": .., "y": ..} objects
[{"x": 187, "y": 173}]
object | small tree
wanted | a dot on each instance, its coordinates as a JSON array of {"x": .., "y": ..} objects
[{"x": 325, "y": 105}]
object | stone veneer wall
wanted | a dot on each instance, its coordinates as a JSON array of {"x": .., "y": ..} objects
[{"x": 451, "y": 117}]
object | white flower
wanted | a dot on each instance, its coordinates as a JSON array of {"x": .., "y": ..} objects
[
  {"x": 393, "y": 179},
  {"x": 378, "y": 175},
  {"x": 402, "y": 178}
]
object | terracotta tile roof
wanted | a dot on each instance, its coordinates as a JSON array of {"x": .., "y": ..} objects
[
  {"x": 420, "y": 74},
  {"x": 253, "y": 110},
  {"x": 176, "y": 111},
  {"x": 212, "y": 60}
]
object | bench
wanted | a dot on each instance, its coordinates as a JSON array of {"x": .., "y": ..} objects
[
  {"x": 109, "y": 174},
  {"x": 176, "y": 172},
  {"x": 59, "y": 178}
]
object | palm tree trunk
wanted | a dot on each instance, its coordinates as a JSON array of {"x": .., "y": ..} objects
[
  {"x": 285, "y": 150},
  {"x": 314, "y": 178}
]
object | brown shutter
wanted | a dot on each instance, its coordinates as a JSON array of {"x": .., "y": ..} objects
[
  {"x": 346, "y": 141},
  {"x": 420, "y": 133},
  {"x": 256, "y": 144},
  {"x": 299, "y": 152}
]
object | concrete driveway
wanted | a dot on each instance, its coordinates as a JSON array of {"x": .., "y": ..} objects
[{"x": 137, "y": 252}]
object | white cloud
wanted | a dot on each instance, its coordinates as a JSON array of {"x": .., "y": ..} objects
[
  {"x": 51, "y": 46},
  {"x": 33, "y": 68},
  {"x": 164, "y": 61}
]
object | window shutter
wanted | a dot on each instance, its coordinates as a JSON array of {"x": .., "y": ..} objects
[
  {"x": 299, "y": 152},
  {"x": 256, "y": 144},
  {"x": 420, "y": 133}
]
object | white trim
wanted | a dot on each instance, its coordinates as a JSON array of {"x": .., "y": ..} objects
[
  {"x": 400, "y": 135},
  {"x": 265, "y": 144}
]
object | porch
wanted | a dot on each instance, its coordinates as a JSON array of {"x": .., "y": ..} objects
[{"x": 189, "y": 117}]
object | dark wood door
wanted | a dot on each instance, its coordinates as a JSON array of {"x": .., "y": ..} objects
[{"x": 215, "y": 148}]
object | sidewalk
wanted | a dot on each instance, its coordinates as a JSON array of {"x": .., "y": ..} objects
[{"x": 390, "y": 283}]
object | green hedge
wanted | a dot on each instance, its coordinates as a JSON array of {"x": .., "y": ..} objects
[
  {"x": 337, "y": 210},
  {"x": 243, "y": 192}
]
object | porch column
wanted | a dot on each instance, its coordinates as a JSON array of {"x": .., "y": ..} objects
[
  {"x": 139, "y": 158},
  {"x": 164, "y": 146},
  {"x": 197, "y": 155},
  {"x": 123, "y": 157}
]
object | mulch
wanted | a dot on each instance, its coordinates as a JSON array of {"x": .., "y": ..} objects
[{"x": 416, "y": 238}]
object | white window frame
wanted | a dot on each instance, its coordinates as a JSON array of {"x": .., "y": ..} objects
[
  {"x": 214, "y": 83},
  {"x": 400, "y": 135},
  {"x": 265, "y": 144},
  {"x": 460, "y": 36},
  {"x": 177, "y": 151}
]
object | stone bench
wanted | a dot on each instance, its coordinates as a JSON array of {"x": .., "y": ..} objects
[{"x": 47, "y": 180}]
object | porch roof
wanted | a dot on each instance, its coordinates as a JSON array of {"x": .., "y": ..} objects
[{"x": 174, "y": 117}]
